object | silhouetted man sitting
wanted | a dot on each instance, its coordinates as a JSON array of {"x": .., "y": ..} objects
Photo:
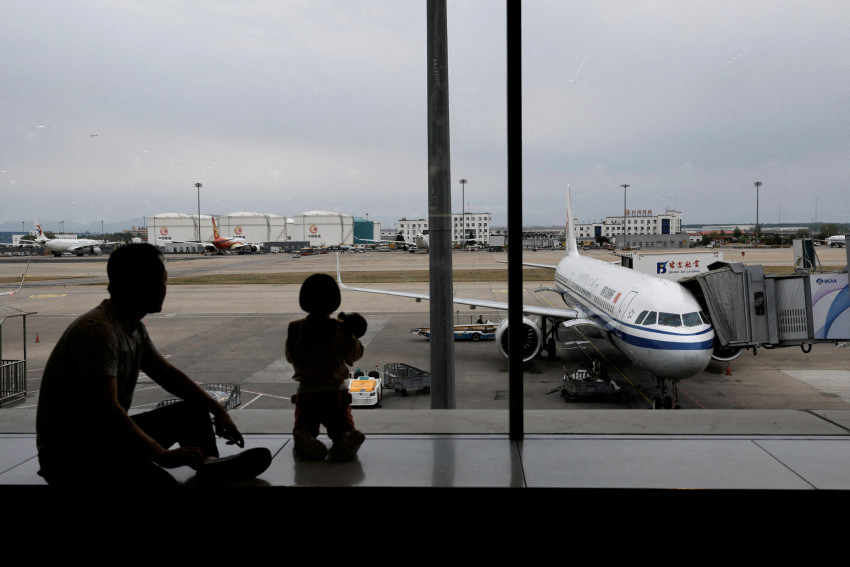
[{"x": 84, "y": 433}]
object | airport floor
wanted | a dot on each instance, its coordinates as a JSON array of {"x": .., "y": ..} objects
[{"x": 606, "y": 449}]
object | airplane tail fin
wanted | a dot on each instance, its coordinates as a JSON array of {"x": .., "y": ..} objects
[
  {"x": 569, "y": 232},
  {"x": 39, "y": 237},
  {"x": 215, "y": 228}
]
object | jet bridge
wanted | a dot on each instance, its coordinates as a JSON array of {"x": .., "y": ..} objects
[{"x": 751, "y": 309}]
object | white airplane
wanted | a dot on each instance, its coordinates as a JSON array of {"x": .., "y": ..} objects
[
  {"x": 837, "y": 240},
  {"x": 420, "y": 241},
  {"x": 20, "y": 285},
  {"x": 76, "y": 246},
  {"x": 656, "y": 323}
]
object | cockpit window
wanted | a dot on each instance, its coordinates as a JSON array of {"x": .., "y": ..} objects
[
  {"x": 640, "y": 317},
  {"x": 670, "y": 319},
  {"x": 704, "y": 318},
  {"x": 691, "y": 319},
  {"x": 650, "y": 319}
]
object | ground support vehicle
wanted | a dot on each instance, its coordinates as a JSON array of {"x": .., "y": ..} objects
[
  {"x": 366, "y": 391},
  {"x": 474, "y": 332},
  {"x": 583, "y": 382},
  {"x": 403, "y": 377}
]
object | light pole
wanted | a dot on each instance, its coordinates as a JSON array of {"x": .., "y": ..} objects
[
  {"x": 101, "y": 228},
  {"x": 198, "y": 185},
  {"x": 757, "y": 184},
  {"x": 624, "y": 186},
  {"x": 463, "y": 183}
]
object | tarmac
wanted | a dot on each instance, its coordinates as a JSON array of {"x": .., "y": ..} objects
[{"x": 776, "y": 421}]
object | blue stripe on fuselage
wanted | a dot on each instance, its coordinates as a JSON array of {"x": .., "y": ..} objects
[{"x": 656, "y": 344}]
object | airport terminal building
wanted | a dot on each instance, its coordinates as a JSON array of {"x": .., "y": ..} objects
[
  {"x": 641, "y": 226},
  {"x": 477, "y": 227}
]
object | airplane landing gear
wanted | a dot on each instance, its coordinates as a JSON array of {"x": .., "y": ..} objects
[
  {"x": 661, "y": 399},
  {"x": 549, "y": 337}
]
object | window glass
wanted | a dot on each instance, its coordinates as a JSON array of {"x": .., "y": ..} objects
[
  {"x": 691, "y": 319},
  {"x": 670, "y": 319}
]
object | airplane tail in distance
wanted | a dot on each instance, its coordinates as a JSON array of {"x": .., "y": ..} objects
[
  {"x": 215, "y": 228},
  {"x": 569, "y": 231},
  {"x": 40, "y": 233}
]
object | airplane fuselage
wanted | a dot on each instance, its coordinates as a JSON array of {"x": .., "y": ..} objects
[
  {"x": 657, "y": 323},
  {"x": 227, "y": 244}
]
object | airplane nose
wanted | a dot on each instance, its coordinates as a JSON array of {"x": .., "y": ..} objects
[{"x": 683, "y": 364}]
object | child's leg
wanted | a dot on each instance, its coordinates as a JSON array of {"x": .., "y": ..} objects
[
  {"x": 337, "y": 416},
  {"x": 346, "y": 438},
  {"x": 306, "y": 429}
]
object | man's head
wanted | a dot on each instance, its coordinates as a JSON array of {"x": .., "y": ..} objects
[
  {"x": 319, "y": 295},
  {"x": 137, "y": 275}
]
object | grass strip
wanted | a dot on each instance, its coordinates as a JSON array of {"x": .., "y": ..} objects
[{"x": 352, "y": 277}]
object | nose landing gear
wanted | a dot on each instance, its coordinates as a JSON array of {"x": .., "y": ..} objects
[{"x": 661, "y": 399}]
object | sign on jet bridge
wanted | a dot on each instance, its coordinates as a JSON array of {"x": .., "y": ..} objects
[
  {"x": 830, "y": 306},
  {"x": 672, "y": 266}
]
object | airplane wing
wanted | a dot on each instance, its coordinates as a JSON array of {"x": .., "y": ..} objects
[
  {"x": 399, "y": 242},
  {"x": 537, "y": 310},
  {"x": 532, "y": 265}
]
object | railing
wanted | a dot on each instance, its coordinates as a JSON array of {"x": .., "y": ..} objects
[{"x": 13, "y": 381}]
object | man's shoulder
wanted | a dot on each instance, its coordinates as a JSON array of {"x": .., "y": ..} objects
[{"x": 101, "y": 324}]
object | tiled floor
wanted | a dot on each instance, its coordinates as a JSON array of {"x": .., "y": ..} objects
[{"x": 539, "y": 461}]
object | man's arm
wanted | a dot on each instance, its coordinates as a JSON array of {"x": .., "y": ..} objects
[
  {"x": 116, "y": 419},
  {"x": 178, "y": 383}
]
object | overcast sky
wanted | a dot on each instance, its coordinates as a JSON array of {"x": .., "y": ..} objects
[{"x": 113, "y": 109}]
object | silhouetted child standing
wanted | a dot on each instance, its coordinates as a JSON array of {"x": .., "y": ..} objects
[{"x": 320, "y": 349}]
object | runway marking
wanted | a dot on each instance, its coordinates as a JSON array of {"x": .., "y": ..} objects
[
  {"x": 269, "y": 395},
  {"x": 246, "y": 404},
  {"x": 48, "y": 295}
]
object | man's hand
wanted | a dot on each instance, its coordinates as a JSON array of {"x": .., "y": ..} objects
[
  {"x": 181, "y": 456},
  {"x": 226, "y": 429}
]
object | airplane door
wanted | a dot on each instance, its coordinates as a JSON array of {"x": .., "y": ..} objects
[{"x": 624, "y": 305}]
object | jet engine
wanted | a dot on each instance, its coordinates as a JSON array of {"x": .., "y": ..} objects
[
  {"x": 96, "y": 251},
  {"x": 725, "y": 354},
  {"x": 256, "y": 248},
  {"x": 532, "y": 339}
]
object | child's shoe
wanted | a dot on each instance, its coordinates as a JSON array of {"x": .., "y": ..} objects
[
  {"x": 308, "y": 447},
  {"x": 347, "y": 447}
]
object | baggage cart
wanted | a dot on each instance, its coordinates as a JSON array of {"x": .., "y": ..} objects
[
  {"x": 403, "y": 377},
  {"x": 228, "y": 395}
]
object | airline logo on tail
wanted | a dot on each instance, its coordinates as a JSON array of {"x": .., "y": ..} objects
[
  {"x": 40, "y": 236},
  {"x": 215, "y": 228}
]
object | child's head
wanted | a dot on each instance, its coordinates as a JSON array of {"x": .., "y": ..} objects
[{"x": 319, "y": 295}]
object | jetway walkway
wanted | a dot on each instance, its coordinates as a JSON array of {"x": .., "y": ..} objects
[{"x": 751, "y": 309}]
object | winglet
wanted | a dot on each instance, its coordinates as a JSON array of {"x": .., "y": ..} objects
[
  {"x": 338, "y": 274},
  {"x": 569, "y": 231},
  {"x": 23, "y": 277}
]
